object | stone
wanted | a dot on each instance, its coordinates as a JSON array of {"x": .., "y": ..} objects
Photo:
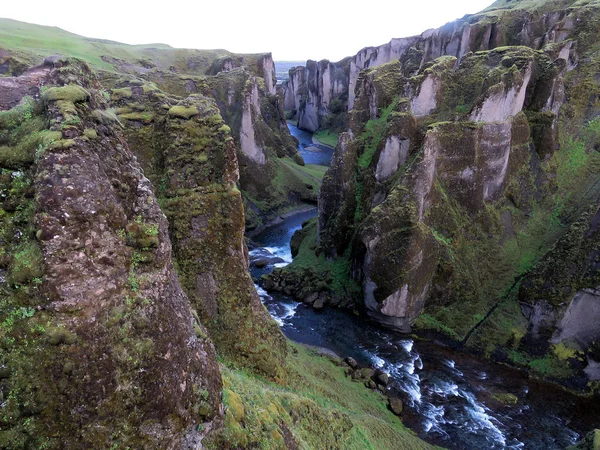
[
  {"x": 319, "y": 303},
  {"x": 382, "y": 378},
  {"x": 311, "y": 298},
  {"x": 395, "y": 405},
  {"x": 351, "y": 362},
  {"x": 367, "y": 372}
]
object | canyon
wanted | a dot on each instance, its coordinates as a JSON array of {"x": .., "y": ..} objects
[{"x": 163, "y": 234}]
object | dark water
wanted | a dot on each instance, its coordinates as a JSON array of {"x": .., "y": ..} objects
[
  {"x": 312, "y": 153},
  {"x": 448, "y": 394}
]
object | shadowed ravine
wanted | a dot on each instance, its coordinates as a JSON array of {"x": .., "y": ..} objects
[{"x": 452, "y": 399}]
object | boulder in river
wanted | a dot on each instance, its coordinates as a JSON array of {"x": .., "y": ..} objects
[
  {"x": 395, "y": 405},
  {"x": 262, "y": 257},
  {"x": 381, "y": 378}
]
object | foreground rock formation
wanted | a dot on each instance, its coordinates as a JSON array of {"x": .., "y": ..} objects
[
  {"x": 463, "y": 194},
  {"x": 101, "y": 345}
]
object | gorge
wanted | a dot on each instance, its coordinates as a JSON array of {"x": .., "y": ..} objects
[{"x": 183, "y": 265}]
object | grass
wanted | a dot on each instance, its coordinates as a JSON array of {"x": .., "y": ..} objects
[
  {"x": 372, "y": 136},
  {"x": 326, "y": 137},
  {"x": 315, "y": 171},
  {"x": 35, "y": 42},
  {"x": 315, "y": 403}
]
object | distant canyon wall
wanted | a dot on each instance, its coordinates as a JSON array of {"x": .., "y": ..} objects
[{"x": 311, "y": 89}]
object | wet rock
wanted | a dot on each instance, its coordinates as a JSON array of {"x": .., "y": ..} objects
[
  {"x": 319, "y": 303},
  {"x": 381, "y": 378},
  {"x": 351, "y": 362},
  {"x": 262, "y": 257},
  {"x": 312, "y": 298},
  {"x": 395, "y": 405}
]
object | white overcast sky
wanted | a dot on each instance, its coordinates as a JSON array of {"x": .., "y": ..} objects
[{"x": 292, "y": 30}]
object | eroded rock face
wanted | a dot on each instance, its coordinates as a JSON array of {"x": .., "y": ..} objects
[
  {"x": 458, "y": 175},
  {"x": 110, "y": 351},
  {"x": 313, "y": 94},
  {"x": 247, "y": 137},
  {"x": 560, "y": 297},
  {"x": 405, "y": 225},
  {"x": 191, "y": 155}
]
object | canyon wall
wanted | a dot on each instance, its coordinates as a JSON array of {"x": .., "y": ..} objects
[
  {"x": 462, "y": 196},
  {"x": 101, "y": 345},
  {"x": 315, "y": 92}
]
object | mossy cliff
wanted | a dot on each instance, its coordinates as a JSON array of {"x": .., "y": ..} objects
[
  {"x": 457, "y": 177},
  {"x": 187, "y": 151},
  {"x": 321, "y": 94},
  {"x": 100, "y": 345}
]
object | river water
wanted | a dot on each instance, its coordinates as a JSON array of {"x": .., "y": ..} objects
[
  {"x": 312, "y": 153},
  {"x": 448, "y": 394}
]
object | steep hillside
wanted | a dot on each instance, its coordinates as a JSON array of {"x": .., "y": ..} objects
[
  {"x": 100, "y": 344},
  {"x": 460, "y": 171}
]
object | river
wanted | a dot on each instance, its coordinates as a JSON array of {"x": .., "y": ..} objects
[
  {"x": 313, "y": 153},
  {"x": 448, "y": 394}
]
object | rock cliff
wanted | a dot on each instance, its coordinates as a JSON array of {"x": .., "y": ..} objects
[
  {"x": 123, "y": 265},
  {"x": 100, "y": 345},
  {"x": 272, "y": 177},
  {"x": 315, "y": 93},
  {"x": 462, "y": 172}
]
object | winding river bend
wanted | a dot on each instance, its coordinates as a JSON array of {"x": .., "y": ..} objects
[{"x": 448, "y": 395}]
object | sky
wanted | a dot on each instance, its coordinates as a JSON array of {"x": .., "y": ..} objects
[{"x": 292, "y": 30}]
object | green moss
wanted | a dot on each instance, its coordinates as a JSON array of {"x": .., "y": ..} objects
[
  {"x": 117, "y": 94},
  {"x": 506, "y": 398},
  {"x": 314, "y": 406},
  {"x": 326, "y": 137},
  {"x": 71, "y": 93},
  {"x": 105, "y": 117},
  {"x": 62, "y": 143},
  {"x": 428, "y": 322},
  {"x": 144, "y": 116},
  {"x": 27, "y": 263},
  {"x": 90, "y": 133},
  {"x": 372, "y": 136},
  {"x": 564, "y": 352},
  {"x": 183, "y": 112}
]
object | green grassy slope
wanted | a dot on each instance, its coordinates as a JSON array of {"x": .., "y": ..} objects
[
  {"x": 34, "y": 42},
  {"x": 315, "y": 405}
]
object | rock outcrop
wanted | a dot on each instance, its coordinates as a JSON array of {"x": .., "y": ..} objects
[
  {"x": 272, "y": 177},
  {"x": 189, "y": 154},
  {"x": 460, "y": 169},
  {"x": 312, "y": 90},
  {"x": 100, "y": 345}
]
